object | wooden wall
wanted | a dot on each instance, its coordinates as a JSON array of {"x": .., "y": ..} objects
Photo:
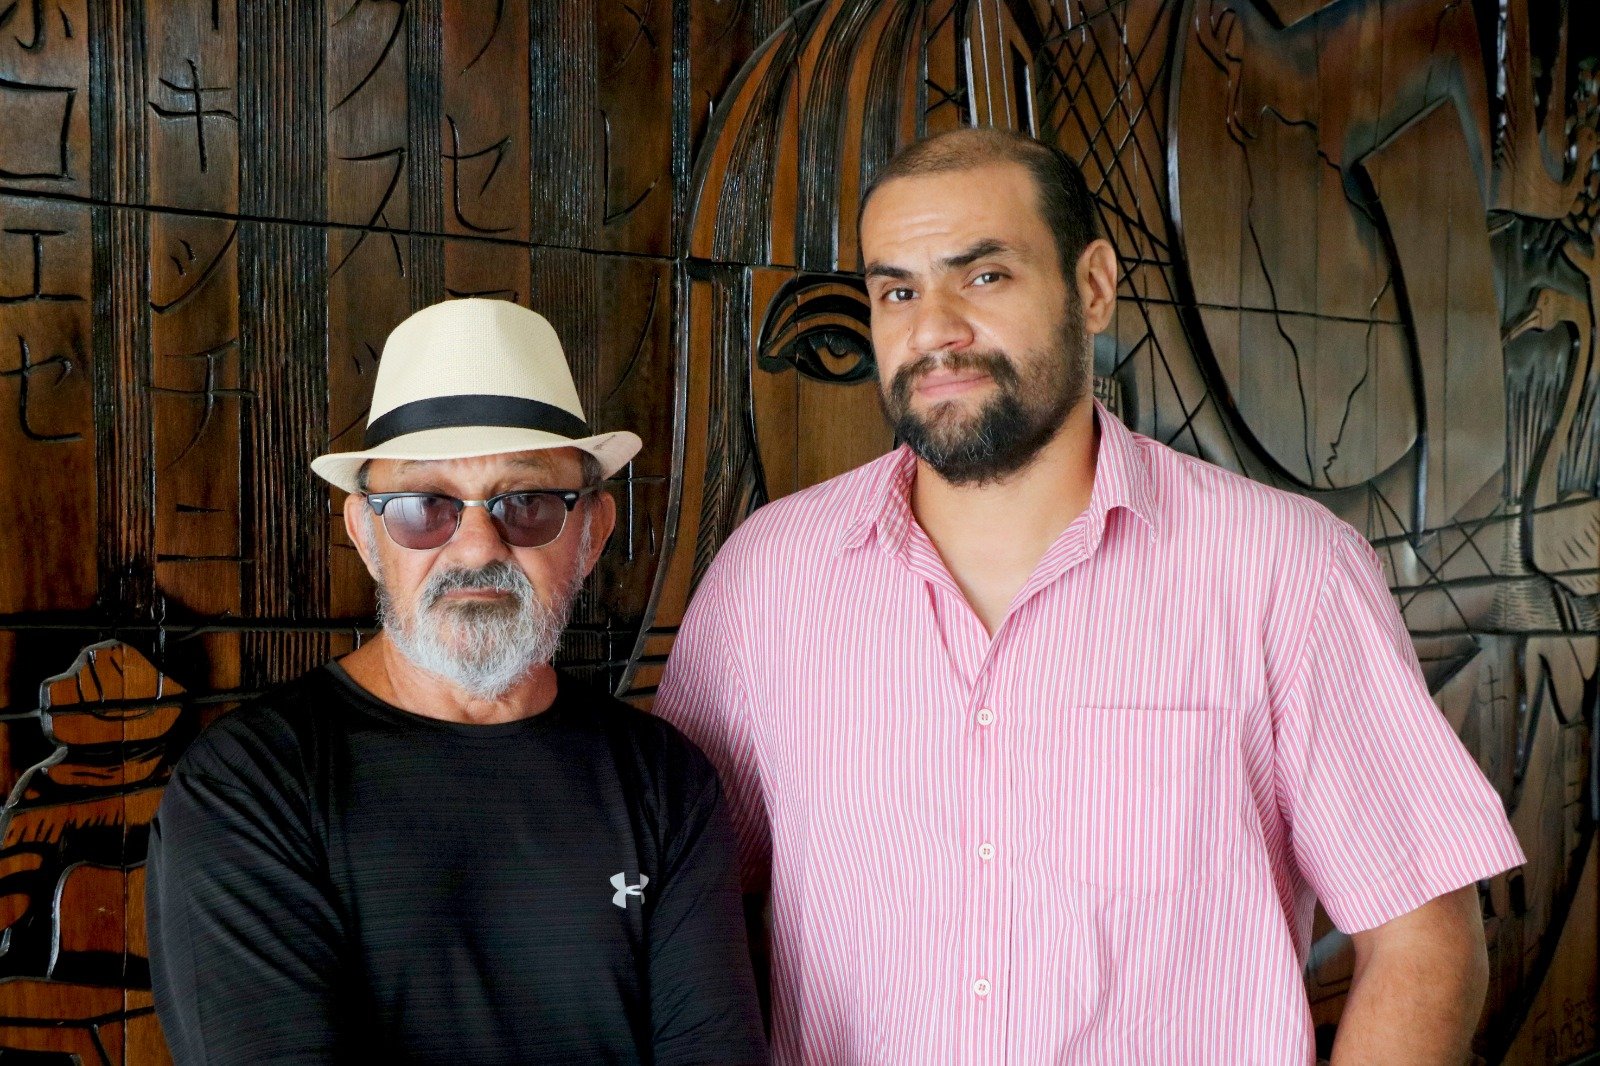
[{"x": 1359, "y": 239}]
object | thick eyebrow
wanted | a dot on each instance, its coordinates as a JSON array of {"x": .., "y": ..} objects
[
  {"x": 983, "y": 249},
  {"x": 884, "y": 270}
]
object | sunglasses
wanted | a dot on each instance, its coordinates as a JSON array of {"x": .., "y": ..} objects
[{"x": 527, "y": 518}]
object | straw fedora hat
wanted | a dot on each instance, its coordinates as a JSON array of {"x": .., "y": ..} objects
[{"x": 474, "y": 377}]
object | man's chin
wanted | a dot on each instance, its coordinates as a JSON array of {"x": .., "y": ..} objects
[
  {"x": 467, "y": 669},
  {"x": 944, "y": 424},
  {"x": 933, "y": 441},
  {"x": 466, "y": 646}
]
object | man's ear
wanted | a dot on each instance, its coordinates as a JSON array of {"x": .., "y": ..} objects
[
  {"x": 602, "y": 520},
  {"x": 358, "y": 520},
  {"x": 1097, "y": 284}
]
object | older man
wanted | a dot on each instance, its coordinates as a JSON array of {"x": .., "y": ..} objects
[
  {"x": 1046, "y": 738},
  {"x": 439, "y": 848}
]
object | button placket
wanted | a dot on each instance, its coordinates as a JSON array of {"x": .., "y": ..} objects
[
  {"x": 988, "y": 897},
  {"x": 991, "y": 830}
]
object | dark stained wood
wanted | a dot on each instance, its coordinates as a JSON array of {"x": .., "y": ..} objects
[
  {"x": 199, "y": 401},
  {"x": 44, "y": 104},
  {"x": 47, "y": 387},
  {"x": 122, "y": 432},
  {"x": 486, "y": 133},
  {"x": 1358, "y": 247},
  {"x": 283, "y": 327},
  {"x": 615, "y": 316},
  {"x": 634, "y": 46}
]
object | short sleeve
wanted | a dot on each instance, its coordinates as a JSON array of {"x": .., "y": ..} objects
[
  {"x": 245, "y": 936},
  {"x": 703, "y": 693},
  {"x": 1386, "y": 808},
  {"x": 703, "y": 1001}
]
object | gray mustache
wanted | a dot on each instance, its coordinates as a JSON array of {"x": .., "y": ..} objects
[{"x": 495, "y": 577}]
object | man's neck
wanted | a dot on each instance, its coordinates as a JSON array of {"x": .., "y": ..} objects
[
  {"x": 991, "y": 536},
  {"x": 378, "y": 667}
]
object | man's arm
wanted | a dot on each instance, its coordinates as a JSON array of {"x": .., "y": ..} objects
[
  {"x": 1392, "y": 822},
  {"x": 758, "y": 930},
  {"x": 702, "y": 994},
  {"x": 244, "y": 940},
  {"x": 1419, "y": 985},
  {"x": 703, "y": 693}
]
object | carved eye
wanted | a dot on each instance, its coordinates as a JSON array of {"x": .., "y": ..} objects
[{"x": 818, "y": 325}]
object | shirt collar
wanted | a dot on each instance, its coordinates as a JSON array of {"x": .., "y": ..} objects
[
  {"x": 1121, "y": 480},
  {"x": 1121, "y": 477},
  {"x": 883, "y": 505}
]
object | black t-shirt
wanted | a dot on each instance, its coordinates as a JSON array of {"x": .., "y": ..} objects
[{"x": 332, "y": 878}]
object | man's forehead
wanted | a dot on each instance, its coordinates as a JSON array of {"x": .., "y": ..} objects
[
  {"x": 956, "y": 257},
  {"x": 960, "y": 209},
  {"x": 990, "y": 186}
]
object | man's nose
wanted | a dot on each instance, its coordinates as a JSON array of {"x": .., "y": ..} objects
[
  {"x": 940, "y": 324},
  {"x": 477, "y": 541}
]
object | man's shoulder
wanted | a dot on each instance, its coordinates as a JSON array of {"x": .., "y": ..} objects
[
  {"x": 1195, "y": 492},
  {"x": 655, "y": 738},
  {"x": 815, "y": 518},
  {"x": 272, "y": 737},
  {"x": 649, "y": 745}
]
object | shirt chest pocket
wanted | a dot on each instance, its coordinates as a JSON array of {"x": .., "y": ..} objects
[{"x": 1139, "y": 800}]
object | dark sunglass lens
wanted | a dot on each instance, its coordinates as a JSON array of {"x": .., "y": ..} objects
[
  {"x": 529, "y": 519},
  {"x": 420, "y": 521}
]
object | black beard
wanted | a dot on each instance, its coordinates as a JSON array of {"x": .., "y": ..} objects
[{"x": 1008, "y": 432}]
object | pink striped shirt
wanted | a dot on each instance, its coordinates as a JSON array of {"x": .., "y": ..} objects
[{"x": 1099, "y": 836}]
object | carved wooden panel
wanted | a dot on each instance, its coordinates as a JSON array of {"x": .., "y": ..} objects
[{"x": 1359, "y": 244}]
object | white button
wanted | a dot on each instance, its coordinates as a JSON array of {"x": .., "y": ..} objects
[
  {"x": 985, "y": 716},
  {"x": 986, "y": 851},
  {"x": 980, "y": 987}
]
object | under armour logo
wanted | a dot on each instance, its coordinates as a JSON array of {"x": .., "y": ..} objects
[{"x": 624, "y": 890}]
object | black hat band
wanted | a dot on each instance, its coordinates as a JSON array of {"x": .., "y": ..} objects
[{"x": 442, "y": 412}]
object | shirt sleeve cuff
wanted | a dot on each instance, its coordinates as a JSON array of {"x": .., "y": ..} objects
[{"x": 1420, "y": 879}]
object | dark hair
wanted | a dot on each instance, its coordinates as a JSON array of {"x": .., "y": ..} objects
[{"x": 1064, "y": 200}]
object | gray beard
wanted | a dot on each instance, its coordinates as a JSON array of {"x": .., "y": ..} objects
[{"x": 483, "y": 648}]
